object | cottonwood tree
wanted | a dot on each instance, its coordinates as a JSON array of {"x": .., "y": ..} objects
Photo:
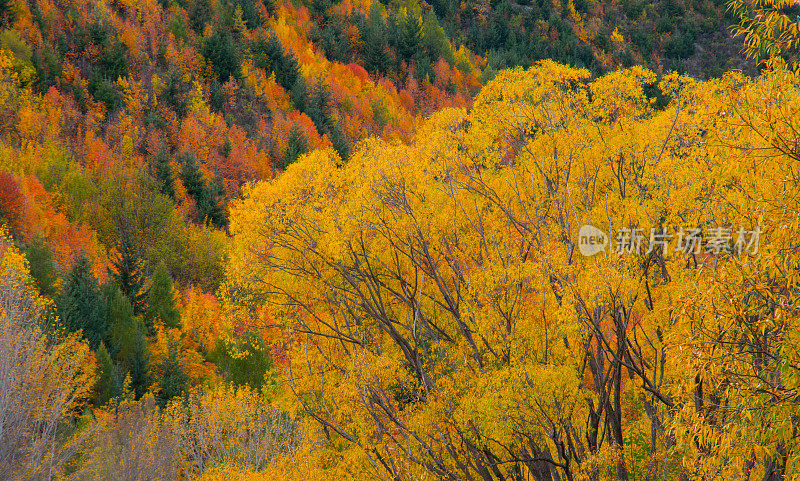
[{"x": 441, "y": 321}]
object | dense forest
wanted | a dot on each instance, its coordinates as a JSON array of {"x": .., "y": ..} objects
[{"x": 347, "y": 239}]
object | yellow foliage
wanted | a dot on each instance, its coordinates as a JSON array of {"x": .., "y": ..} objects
[
  {"x": 770, "y": 29},
  {"x": 445, "y": 325},
  {"x": 44, "y": 376}
]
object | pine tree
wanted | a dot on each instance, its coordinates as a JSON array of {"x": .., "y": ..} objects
[
  {"x": 434, "y": 39},
  {"x": 108, "y": 383},
  {"x": 139, "y": 367},
  {"x": 296, "y": 146},
  {"x": 161, "y": 170},
  {"x": 191, "y": 177},
  {"x": 320, "y": 111},
  {"x": 128, "y": 269},
  {"x": 251, "y": 12},
  {"x": 210, "y": 203},
  {"x": 375, "y": 41},
  {"x": 285, "y": 65},
  {"x": 410, "y": 31},
  {"x": 174, "y": 380},
  {"x": 42, "y": 268},
  {"x": 206, "y": 196},
  {"x": 221, "y": 50},
  {"x": 81, "y": 305},
  {"x": 126, "y": 340},
  {"x": 161, "y": 305},
  {"x": 319, "y": 108},
  {"x": 200, "y": 12},
  {"x": 299, "y": 94},
  {"x": 339, "y": 142}
]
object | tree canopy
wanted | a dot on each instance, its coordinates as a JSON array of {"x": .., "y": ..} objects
[{"x": 442, "y": 319}]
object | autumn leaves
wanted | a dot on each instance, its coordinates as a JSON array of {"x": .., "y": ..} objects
[{"x": 442, "y": 322}]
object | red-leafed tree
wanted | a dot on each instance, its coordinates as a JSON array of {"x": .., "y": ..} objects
[{"x": 10, "y": 200}]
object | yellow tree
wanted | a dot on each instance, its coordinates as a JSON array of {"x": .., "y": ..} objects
[
  {"x": 771, "y": 29},
  {"x": 443, "y": 319},
  {"x": 44, "y": 378}
]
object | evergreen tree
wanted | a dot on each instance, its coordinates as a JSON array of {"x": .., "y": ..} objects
[
  {"x": 177, "y": 92},
  {"x": 285, "y": 65},
  {"x": 127, "y": 270},
  {"x": 108, "y": 382},
  {"x": 200, "y": 12},
  {"x": 206, "y": 197},
  {"x": 434, "y": 39},
  {"x": 409, "y": 30},
  {"x": 320, "y": 111},
  {"x": 210, "y": 204},
  {"x": 161, "y": 305},
  {"x": 123, "y": 325},
  {"x": 375, "y": 41},
  {"x": 319, "y": 108},
  {"x": 81, "y": 305},
  {"x": 299, "y": 95},
  {"x": 220, "y": 49},
  {"x": 339, "y": 142},
  {"x": 127, "y": 341},
  {"x": 191, "y": 177},
  {"x": 42, "y": 268},
  {"x": 139, "y": 366},
  {"x": 261, "y": 51},
  {"x": 194, "y": 183},
  {"x": 251, "y": 12},
  {"x": 268, "y": 53},
  {"x": 297, "y": 146},
  {"x": 174, "y": 380},
  {"x": 161, "y": 170}
]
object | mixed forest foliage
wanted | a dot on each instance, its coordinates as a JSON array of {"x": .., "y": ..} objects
[{"x": 339, "y": 239}]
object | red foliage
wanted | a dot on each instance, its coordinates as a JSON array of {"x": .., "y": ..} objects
[
  {"x": 11, "y": 200},
  {"x": 358, "y": 71}
]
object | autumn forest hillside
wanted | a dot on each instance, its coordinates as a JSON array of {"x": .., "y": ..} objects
[{"x": 356, "y": 240}]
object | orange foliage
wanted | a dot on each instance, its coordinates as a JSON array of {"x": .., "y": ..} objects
[
  {"x": 201, "y": 317},
  {"x": 38, "y": 216},
  {"x": 97, "y": 155}
]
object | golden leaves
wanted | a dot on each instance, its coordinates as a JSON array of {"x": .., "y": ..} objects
[
  {"x": 45, "y": 378},
  {"x": 435, "y": 292}
]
